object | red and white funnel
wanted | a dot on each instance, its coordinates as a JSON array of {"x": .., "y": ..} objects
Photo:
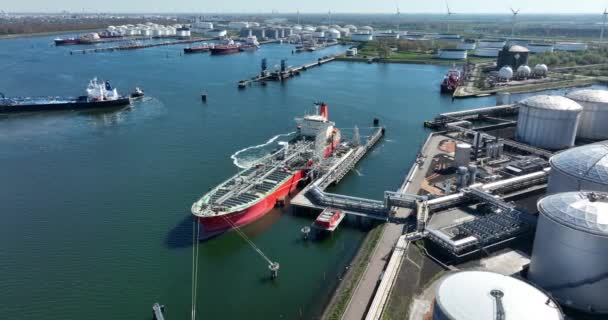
[{"x": 324, "y": 111}]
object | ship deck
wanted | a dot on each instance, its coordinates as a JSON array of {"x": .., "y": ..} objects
[{"x": 255, "y": 183}]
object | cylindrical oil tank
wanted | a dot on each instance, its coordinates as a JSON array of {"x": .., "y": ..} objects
[
  {"x": 463, "y": 177},
  {"x": 569, "y": 257},
  {"x": 580, "y": 168},
  {"x": 594, "y": 118},
  {"x": 472, "y": 174},
  {"x": 548, "y": 122},
  {"x": 503, "y": 98},
  {"x": 462, "y": 155},
  {"x": 478, "y": 295}
]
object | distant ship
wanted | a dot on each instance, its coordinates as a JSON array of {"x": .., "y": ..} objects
[
  {"x": 99, "y": 95},
  {"x": 251, "y": 44},
  {"x": 203, "y": 48},
  {"x": 227, "y": 47},
  {"x": 66, "y": 41},
  {"x": 450, "y": 81},
  {"x": 252, "y": 193}
]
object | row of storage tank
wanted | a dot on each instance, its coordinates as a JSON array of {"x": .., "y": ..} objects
[
  {"x": 570, "y": 254},
  {"x": 149, "y": 30},
  {"x": 491, "y": 48},
  {"x": 554, "y": 122},
  {"x": 506, "y": 73},
  {"x": 569, "y": 263}
]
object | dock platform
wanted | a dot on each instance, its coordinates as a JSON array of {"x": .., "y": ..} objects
[
  {"x": 139, "y": 46},
  {"x": 314, "y": 197},
  {"x": 280, "y": 75}
]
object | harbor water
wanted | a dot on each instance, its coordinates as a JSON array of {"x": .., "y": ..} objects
[{"x": 95, "y": 204}]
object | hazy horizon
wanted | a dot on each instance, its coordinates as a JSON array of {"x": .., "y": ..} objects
[{"x": 310, "y": 7}]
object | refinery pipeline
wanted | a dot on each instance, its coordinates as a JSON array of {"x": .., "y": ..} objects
[{"x": 491, "y": 187}]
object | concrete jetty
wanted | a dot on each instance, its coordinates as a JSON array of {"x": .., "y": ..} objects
[
  {"x": 285, "y": 73},
  {"x": 139, "y": 46}
]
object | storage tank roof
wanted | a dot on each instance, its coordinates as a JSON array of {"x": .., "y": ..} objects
[
  {"x": 589, "y": 95},
  {"x": 468, "y": 295},
  {"x": 552, "y": 103},
  {"x": 516, "y": 48},
  {"x": 588, "y": 162},
  {"x": 586, "y": 211}
]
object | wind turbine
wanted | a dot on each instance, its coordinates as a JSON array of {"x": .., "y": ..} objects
[
  {"x": 450, "y": 13},
  {"x": 298, "y": 16},
  {"x": 398, "y": 15},
  {"x": 515, "y": 12},
  {"x": 329, "y": 17},
  {"x": 603, "y": 26}
]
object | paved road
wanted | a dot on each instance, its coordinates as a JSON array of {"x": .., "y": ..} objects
[{"x": 364, "y": 292}]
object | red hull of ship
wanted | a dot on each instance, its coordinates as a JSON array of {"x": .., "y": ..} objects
[
  {"x": 217, "y": 224},
  {"x": 220, "y": 51},
  {"x": 211, "y": 226}
]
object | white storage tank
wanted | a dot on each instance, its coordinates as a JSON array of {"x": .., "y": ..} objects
[
  {"x": 318, "y": 34},
  {"x": 332, "y": 34},
  {"x": 452, "y": 54},
  {"x": 541, "y": 70},
  {"x": 361, "y": 37},
  {"x": 366, "y": 29},
  {"x": 462, "y": 155},
  {"x": 581, "y": 168},
  {"x": 594, "y": 118},
  {"x": 478, "y": 295},
  {"x": 487, "y": 52},
  {"x": 570, "y": 46},
  {"x": 540, "y": 47},
  {"x": 505, "y": 73},
  {"x": 351, "y": 28},
  {"x": 524, "y": 71},
  {"x": 467, "y": 44},
  {"x": 569, "y": 258},
  {"x": 548, "y": 122},
  {"x": 496, "y": 44}
]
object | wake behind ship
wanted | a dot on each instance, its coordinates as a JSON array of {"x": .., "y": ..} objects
[
  {"x": 99, "y": 95},
  {"x": 252, "y": 193}
]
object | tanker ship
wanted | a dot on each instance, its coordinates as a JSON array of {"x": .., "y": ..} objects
[
  {"x": 100, "y": 94},
  {"x": 252, "y": 193}
]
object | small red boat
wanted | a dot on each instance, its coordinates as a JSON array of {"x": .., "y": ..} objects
[
  {"x": 450, "y": 81},
  {"x": 329, "y": 219}
]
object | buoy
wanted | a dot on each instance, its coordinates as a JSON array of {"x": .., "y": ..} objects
[
  {"x": 305, "y": 232},
  {"x": 274, "y": 270},
  {"x": 204, "y": 97}
]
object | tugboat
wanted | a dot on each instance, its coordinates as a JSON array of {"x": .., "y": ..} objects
[
  {"x": 99, "y": 95},
  {"x": 138, "y": 93},
  {"x": 450, "y": 81}
]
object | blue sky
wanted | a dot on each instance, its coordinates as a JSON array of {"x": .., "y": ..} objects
[{"x": 346, "y": 6}]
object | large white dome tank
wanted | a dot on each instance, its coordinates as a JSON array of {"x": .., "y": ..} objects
[
  {"x": 580, "y": 168},
  {"x": 524, "y": 71},
  {"x": 594, "y": 119},
  {"x": 478, "y": 295},
  {"x": 548, "y": 122},
  {"x": 569, "y": 258}
]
